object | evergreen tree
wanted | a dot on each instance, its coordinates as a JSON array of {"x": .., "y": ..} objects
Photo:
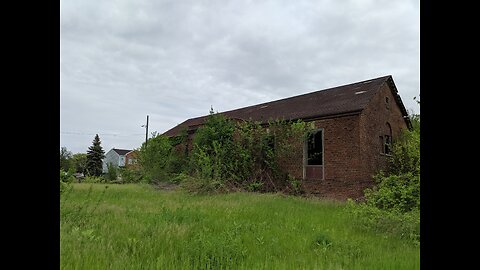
[{"x": 95, "y": 154}]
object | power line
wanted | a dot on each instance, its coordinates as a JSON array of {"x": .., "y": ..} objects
[{"x": 99, "y": 134}]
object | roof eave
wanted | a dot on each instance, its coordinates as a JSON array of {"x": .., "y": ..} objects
[{"x": 393, "y": 87}]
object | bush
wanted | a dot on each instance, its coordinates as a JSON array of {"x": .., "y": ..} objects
[
  {"x": 246, "y": 155},
  {"x": 404, "y": 225},
  {"x": 399, "y": 193},
  {"x": 94, "y": 179},
  {"x": 66, "y": 177},
  {"x": 131, "y": 175},
  {"x": 406, "y": 151},
  {"x": 393, "y": 205},
  {"x": 159, "y": 160},
  {"x": 212, "y": 155},
  {"x": 111, "y": 174},
  {"x": 202, "y": 185}
]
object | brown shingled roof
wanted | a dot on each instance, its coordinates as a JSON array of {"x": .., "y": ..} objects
[{"x": 346, "y": 99}]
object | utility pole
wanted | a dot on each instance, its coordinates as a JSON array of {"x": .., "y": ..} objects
[{"x": 146, "y": 133}]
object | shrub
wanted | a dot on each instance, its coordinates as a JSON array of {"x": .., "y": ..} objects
[
  {"x": 93, "y": 179},
  {"x": 406, "y": 151},
  {"x": 131, "y": 175},
  {"x": 66, "y": 177},
  {"x": 245, "y": 154},
  {"x": 404, "y": 225},
  {"x": 392, "y": 206},
  {"x": 212, "y": 155},
  {"x": 202, "y": 185},
  {"x": 399, "y": 193},
  {"x": 159, "y": 160},
  {"x": 111, "y": 174}
]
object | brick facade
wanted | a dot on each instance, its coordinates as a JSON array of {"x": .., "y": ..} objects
[
  {"x": 131, "y": 160},
  {"x": 352, "y": 150},
  {"x": 373, "y": 121},
  {"x": 353, "y": 137}
]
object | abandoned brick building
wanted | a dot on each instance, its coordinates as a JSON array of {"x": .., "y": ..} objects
[{"x": 355, "y": 125}]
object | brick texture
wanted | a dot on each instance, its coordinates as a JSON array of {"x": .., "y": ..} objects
[{"x": 352, "y": 148}]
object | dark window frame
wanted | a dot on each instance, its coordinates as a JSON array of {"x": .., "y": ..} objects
[
  {"x": 312, "y": 145},
  {"x": 387, "y": 140}
]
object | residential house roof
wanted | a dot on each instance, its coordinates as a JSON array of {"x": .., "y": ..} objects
[
  {"x": 331, "y": 102},
  {"x": 121, "y": 152}
]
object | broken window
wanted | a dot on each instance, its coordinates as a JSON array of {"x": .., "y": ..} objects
[
  {"x": 315, "y": 148},
  {"x": 387, "y": 140}
]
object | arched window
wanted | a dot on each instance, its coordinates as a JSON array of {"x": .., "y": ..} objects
[{"x": 387, "y": 144}]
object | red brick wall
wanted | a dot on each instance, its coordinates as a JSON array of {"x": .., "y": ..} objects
[
  {"x": 342, "y": 160},
  {"x": 373, "y": 124},
  {"x": 131, "y": 155},
  {"x": 351, "y": 149}
]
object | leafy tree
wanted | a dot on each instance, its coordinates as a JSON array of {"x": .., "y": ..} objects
[
  {"x": 95, "y": 154},
  {"x": 79, "y": 162},
  {"x": 65, "y": 159},
  {"x": 213, "y": 152},
  {"x": 112, "y": 173},
  {"x": 158, "y": 158}
]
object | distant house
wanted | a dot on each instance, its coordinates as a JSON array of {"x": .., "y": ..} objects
[
  {"x": 355, "y": 125},
  {"x": 131, "y": 159},
  {"x": 116, "y": 157}
]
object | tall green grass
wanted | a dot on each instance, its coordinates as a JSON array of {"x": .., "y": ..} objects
[{"x": 137, "y": 227}]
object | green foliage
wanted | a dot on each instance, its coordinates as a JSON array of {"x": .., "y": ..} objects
[
  {"x": 400, "y": 193},
  {"x": 131, "y": 175},
  {"x": 295, "y": 185},
  {"x": 111, "y": 174},
  {"x": 244, "y": 154},
  {"x": 66, "y": 177},
  {"x": 80, "y": 214},
  {"x": 65, "y": 181},
  {"x": 405, "y": 225},
  {"x": 93, "y": 179},
  {"x": 79, "y": 162},
  {"x": 393, "y": 205},
  {"x": 159, "y": 159},
  {"x": 255, "y": 186},
  {"x": 212, "y": 155},
  {"x": 141, "y": 227},
  {"x": 406, "y": 151},
  {"x": 65, "y": 159},
  {"x": 196, "y": 185},
  {"x": 400, "y": 189},
  {"x": 95, "y": 155}
]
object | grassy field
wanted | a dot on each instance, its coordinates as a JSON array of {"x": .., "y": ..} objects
[{"x": 138, "y": 227}]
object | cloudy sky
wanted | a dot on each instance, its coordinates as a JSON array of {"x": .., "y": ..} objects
[{"x": 121, "y": 60}]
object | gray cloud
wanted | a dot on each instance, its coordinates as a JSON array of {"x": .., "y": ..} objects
[{"x": 121, "y": 60}]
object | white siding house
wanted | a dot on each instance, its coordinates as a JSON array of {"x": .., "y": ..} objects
[{"x": 116, "y": 157}]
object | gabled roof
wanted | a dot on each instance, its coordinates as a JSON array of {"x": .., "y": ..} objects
[
  {"x": 331, "y": 102},
  {"x": 121, "y": 152}
]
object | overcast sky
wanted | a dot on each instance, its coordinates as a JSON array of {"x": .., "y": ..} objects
[{"x": 125, "y": 59}]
